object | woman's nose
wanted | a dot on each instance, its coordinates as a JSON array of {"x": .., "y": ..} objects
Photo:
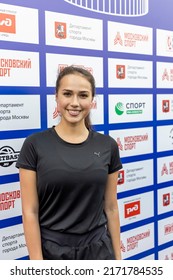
[{"x": 75, "y": 100}]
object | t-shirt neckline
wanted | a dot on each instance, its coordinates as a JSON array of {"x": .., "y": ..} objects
[{"x": 69, "y": 143}]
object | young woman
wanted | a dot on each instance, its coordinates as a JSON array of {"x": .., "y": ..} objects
[{"x": 68, "y": 177}]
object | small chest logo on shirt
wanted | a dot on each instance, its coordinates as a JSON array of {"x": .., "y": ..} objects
[{"x": 97, "y": 154}]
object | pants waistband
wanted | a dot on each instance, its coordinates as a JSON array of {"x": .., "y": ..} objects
[{"x": 71, "y": 239}]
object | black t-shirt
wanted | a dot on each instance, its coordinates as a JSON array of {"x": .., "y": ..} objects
[{"x": 71, "y": 178}]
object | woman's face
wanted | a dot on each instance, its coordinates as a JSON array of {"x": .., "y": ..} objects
[{"x": 74, "y": 98}]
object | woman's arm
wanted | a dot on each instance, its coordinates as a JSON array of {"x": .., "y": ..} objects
[
  {"x": 112, "y": 213},
  {"x": 30, "y": 208}
]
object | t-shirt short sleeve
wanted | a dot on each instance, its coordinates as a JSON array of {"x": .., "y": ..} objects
[
  {"x": 28, "y": 156},
  {"x": 115, "y": 161}
]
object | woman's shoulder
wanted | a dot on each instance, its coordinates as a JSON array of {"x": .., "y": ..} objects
[{"x": 38, "y": 136}]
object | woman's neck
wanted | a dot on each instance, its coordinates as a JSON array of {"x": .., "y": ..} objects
[{"x": 72, "y": 133}]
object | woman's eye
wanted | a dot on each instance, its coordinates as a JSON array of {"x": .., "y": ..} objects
[
  {"x": 83, "y": 95},
  {"x": 67, "y": 93}
]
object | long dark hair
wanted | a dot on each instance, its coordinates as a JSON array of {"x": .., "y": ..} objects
[{"x": 84, "y": 73}]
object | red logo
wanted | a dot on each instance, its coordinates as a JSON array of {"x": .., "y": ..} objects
[
  {"x": 123, "y": 248},
  {"x": 170, "y": 42},
  {"x": 165, "y": 106},
  {"x": 120, "y": 72},
  {"x": 121, "y": 177},
  {"x": 132, "y": 209},
  {"x": 119, "y": 143},
  {"x": 60, "y": 30},
  {"x": 165, "y": 75},
  {"x": 7, "y": 23},
  {"x": 118, "y": 39},
  {"x": 166, "y": 199},
  {"x": 168, "y": 229},
  {"x": 56, "y": 113},
  {"x": 62, "y": 66},
  {"x": 164, "y": 170}
]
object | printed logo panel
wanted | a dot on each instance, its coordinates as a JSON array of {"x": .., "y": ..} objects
[
  {"x": 164, "y": 169},
  {"x": 164, "y": 106},
  {"x": 165, "y": 233},
  {"x": 56, "y": 62},
  {"x": 19, "y": 68},
  {"x": 16, "y": 24},
  {"x": 133, "y": 208},
  {"x": 12, "y": 243},
  {"x": 166, "y": 143},
  {"x": 73, "y": 31},
  {"x": 135, "y": 175},
  {"x": 164, "y": 43},
  {"x": 9, "y": 153},
  {"x": 137, "y": 240},
  {"x": 130, "y": 108},
  {"x": 166, "y": 254},
  {"x": 133, "y": 142},
  {"x": 17, "y": 112},
  {"x": 10, "y": 201},
  {"x": 54, "y": 116},
  {"x": 129, "y": 38},
  {"x": 164, "y": 75},
  {"x": 130, "y": 73},
  {"x": 165, "y": 200}
]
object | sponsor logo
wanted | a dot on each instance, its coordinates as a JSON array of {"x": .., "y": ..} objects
[
  {"x": 7, "y": 23},
  {"x": 170, "y": 43},
  {"x": 166, "y": 199},
  {"x": 130, "y": 142},
  {"x": 168, "y": 229},
  {"x": 167, "y": 75},
  {"x": 167, "y": 170},
  {"x": 119, "y": 143},
  {"x": 8, "y": 64},
  {"x": 132, "y": 209},
  {"x": 56, "y": 113},
  {"x": 167, "y": 257},
  {"x": 62, "y": 66},
  {"x": 131, "y": 108},
  {"x": 123, "y": 248},
  {"x": 8, "y": 199},
  {"x": 118, "y": 39},
  {"x": 120, "y": 72},
  {"x": 129, "y": 39},
  {"x": 133, "y": 241},
  {"x": 60, "y": 30},
  {"x": 8, "y": 156},
  {"x": 121, "y": 177},
  {"x": 171, "y": 135},
  {"x": 119, "y": 108},
  {"x": 164, "y": 170},
  {"x": 165, "y": 106}
]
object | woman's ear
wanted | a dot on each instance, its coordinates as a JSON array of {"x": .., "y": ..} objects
[{"x": 93, "y": 103}]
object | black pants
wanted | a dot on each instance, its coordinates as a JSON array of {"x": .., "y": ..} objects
[{"x": 94, "y": 250}]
